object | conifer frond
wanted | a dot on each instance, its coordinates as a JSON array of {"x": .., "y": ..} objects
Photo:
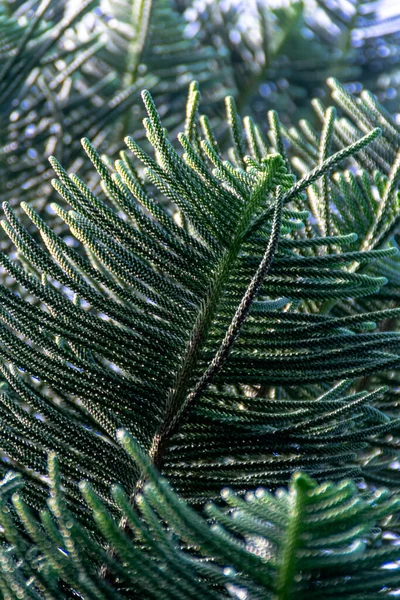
[
  {"x": 316, "y": 541},
  {"x": 282, "y": 52},
  {"x": 54, "y": 87},
  {"x": 364, "y": 197},
  {"x": 167, "y": 324},
  {"x": 146, "y": 36},
  {"x": 214, "y": 309}
]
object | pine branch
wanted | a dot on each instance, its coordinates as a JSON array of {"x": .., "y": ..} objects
[
  {"x": 224, "y": 299},
  {"x": 232, "y": 299},
  {"x": 301, "y": 541}
]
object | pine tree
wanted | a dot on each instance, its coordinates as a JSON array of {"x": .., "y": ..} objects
[{"x": 199, "y": 356}]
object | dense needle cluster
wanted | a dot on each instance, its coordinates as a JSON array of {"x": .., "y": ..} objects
[{"x": 226, "y": 319}]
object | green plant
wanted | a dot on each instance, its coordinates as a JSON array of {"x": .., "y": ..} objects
[
  {"x": 308, "y": 542},
  {"x": 47, "y": 95},
  {"x": 283, "y": 51},
  {"x": 69, "y": 72},
  {"x": 217, "y": 313}
]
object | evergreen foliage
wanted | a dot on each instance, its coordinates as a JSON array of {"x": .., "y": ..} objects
[
  {"x": 79, "y": 72},
  {"x": 47, "y": 99},
  {"x": 211, "y": 332},
  {"x": 282, "y": 51},
  {"x": 307, "y": 542},
  {"x": 147, "y": 37},
  {"x": 72, "y": 70},
  {"x": 199, "y": 348}
]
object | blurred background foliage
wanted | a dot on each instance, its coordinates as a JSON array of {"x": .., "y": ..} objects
[{"x": 283, "y": 51}]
